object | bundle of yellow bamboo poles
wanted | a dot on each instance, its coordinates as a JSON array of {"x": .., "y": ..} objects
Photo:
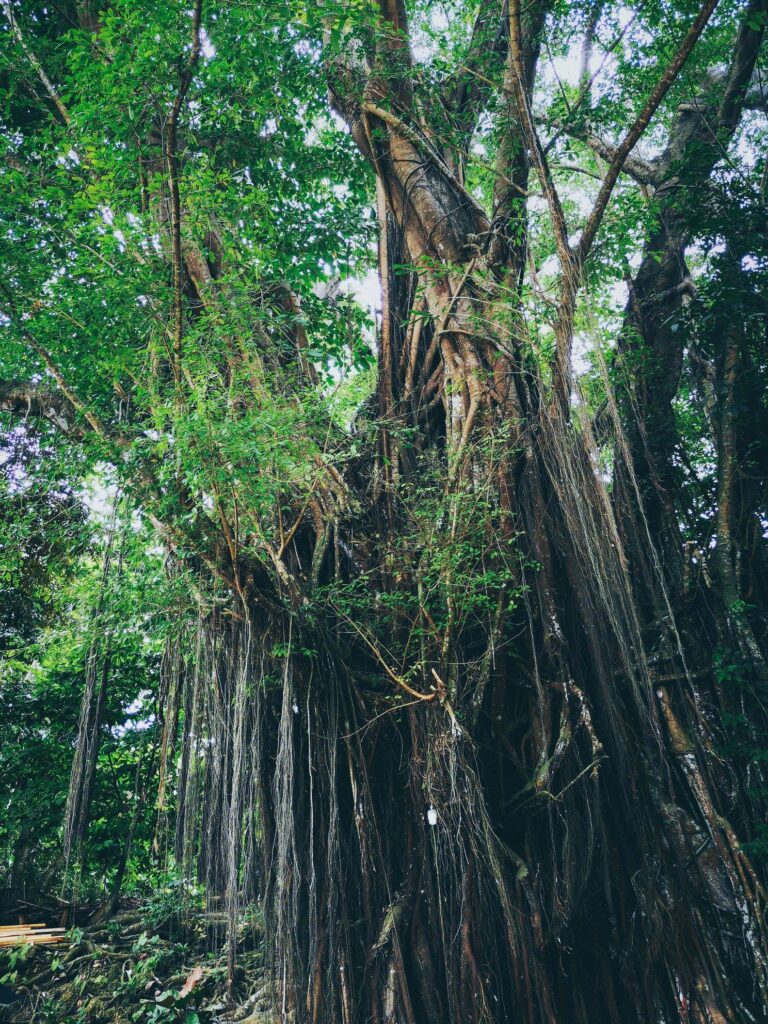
[{"x": 35, "y": 934}]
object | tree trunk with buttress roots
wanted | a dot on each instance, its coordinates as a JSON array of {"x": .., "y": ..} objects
[
  {"x": 462, "y": 806},
  {"x": 539, "y": 835}
]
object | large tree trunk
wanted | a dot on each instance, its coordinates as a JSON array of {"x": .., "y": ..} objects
[
  {"x": 459, "y": 736},
  {"x": 538, "y": 836},
  {"x": 521, "y": 820}
]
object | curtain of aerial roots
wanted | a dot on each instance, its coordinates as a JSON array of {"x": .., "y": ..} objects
[
  {"x": 548, "y": 838},
  {"x": 83, "y": 774},
  {"x": 97, "y": 667},
  {"x": 560, "y": 853}
]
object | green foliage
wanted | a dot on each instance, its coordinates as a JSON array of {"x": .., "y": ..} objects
[
  {"x": 74, "y": 612},
  {"x": 170, "y": 900},
  {"x": 457, "y": 562},
  {"x": 745, "y": 737},
  {"x": 43, "y": 529},
  {"x": 240, "y": 435}
]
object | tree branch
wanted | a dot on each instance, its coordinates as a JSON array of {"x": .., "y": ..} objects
[
  {"x": 532, "y": 138},
  {"x": 69, "y": 393},
  {"x": 641, "y": 123},
  {"x": 513, "y": 161},
  {"x": 642, "y": 171},
  {"x": 393, "y": 53},
  {"x": 586, "y": 84},
  {"x": 466, "y": 90},
  {"x": 587, "y": 45},
  {"x": 737, "y": 91},
  {"x": 37, "y": 66},
  {"x": 171, "y": 152},
  {"x": 25, "y": 400}
]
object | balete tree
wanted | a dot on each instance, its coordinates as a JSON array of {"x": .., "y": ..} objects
[{"x": 465, "y": 674}]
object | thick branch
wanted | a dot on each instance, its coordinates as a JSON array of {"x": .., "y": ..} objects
[
  {"x": 394, "y": 59},
  {"x": 35, "y": 400},
  {"x": 697, "y": 140},
  {"x": 641, "y": 123},
  {"x": 748, "y": 43},
  {"x": 513, "y": 161},
  {"x": 574, "y": 265},
  {"x": 466, "y": 91},
  {"x": 588, "y": 43}
]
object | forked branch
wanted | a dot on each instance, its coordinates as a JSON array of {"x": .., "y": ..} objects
[
  {"x": 532, "y": 139},
  {"x": 630, "y": 140}
]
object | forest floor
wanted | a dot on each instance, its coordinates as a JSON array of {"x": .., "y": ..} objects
[{"x": 129, "y": 970}]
